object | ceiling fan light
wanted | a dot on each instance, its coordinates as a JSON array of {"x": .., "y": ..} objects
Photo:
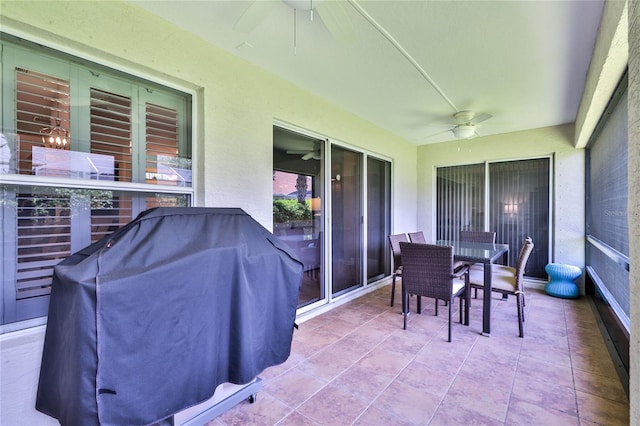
[{"x": 464, "y": 132}]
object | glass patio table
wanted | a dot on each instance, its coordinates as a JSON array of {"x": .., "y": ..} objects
[{"x": 487, "y": 254}]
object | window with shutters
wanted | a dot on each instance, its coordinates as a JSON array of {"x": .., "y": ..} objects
[{"x": 84, "y": 150}]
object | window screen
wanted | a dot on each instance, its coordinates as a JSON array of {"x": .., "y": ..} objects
[{"x": 607, "y": 220}]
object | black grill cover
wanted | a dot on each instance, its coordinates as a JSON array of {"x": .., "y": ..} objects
[{"x": 150, "y": 320}]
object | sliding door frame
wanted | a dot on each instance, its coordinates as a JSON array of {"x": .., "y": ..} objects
[
  {"x": 487, "y": 206},
  {"x": 327, "y": 219}
]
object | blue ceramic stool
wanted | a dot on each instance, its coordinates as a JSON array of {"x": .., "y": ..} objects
[{"x": 561, "y": 280}]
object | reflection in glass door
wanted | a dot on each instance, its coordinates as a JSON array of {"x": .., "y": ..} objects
[
  {"x": 298, "y": 188},
  {"x": 346, "y": 219}
]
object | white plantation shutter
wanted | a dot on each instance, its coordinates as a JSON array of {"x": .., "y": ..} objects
[
  {"x": 43, "y": 240},
  {"x": 109, "y": 211},
  {"x": 58, "y": 199},
  {"x": 41, "y": 101},
  {"x": 162, "y": 149},
  {"x": 111, "y": 130}
]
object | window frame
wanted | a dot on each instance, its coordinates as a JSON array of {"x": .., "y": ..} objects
[{"x": 68, "y": 65}]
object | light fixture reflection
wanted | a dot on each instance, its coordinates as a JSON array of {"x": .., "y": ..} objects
[{"x": 56, "y": 137}]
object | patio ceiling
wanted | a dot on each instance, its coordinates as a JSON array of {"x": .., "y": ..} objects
[{"x": 408, "y": 66}]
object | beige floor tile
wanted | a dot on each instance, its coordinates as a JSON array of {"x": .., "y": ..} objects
[
  {"x": 602, "y": 411},
  {"x": 428, "y": 378},
  {"x": 364, "y": 383},
  {"x": 525, "y": 413},
  {"x": 296, "y": 419},
  {"x": 357, "y": 365},
  {"x": 407, "y": 404},
  {"x": 385, "y": 362},
  {"x": 451, "y": 413},
  {"x": 333, "y": 406},
  {"x": 374, "y": 416},
  {"x": 267, "y": 410},
  {"x": 294, "y": 386},
  {"x": 545, "y": 394},
  {"x": 602, "y": 386},
  {"x": 478, "y": 396}
]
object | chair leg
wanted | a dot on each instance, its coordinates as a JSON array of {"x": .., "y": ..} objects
[
  {"x": 405, "y": 304},
  {"x": 437, "y": 301},
  {"x": 450, "y": 321},
  {"x": 419, "y": 305},
  {"x": 393, "y": 288},
  {"x": 519, "y": 301}
]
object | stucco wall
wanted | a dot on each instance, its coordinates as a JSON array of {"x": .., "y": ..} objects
[
  {"x": 568, "y": 179},
  {"x": 608, "y": 63},
  {"x": 238, "y": 101},
  {"x": 235, "y": 105}
]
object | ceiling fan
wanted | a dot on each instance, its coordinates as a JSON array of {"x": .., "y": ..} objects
[
  {"x": 315, "y": 154},
  {"x": 333, "y": 14},
  {"x": 466, "y": 123}
]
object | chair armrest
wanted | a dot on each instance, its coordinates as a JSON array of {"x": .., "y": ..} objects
[{"x": 464, "y": 269}]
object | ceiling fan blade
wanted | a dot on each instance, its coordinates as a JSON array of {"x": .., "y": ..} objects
[
  {"x": 439, "y": 133},
  {"x": 298, "y": 151},
  {"x": 480, "y": 118},
  {"x": 308, "y": 156},
  {"x": 254, "y": 15},
  {"x": 335, "y": 16}
]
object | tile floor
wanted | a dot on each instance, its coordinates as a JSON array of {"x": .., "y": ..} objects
[{"x": 356, "y": 365}]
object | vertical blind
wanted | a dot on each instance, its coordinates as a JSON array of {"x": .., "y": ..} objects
[
  {"x": 519, "y": 208},
  {"x": 518, "y": 200},
  {"x": 460, "y": 200}
]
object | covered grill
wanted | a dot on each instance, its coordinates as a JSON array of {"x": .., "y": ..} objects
[{"x": 149, "y": 320}]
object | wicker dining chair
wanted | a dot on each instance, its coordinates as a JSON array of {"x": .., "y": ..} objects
[
  {"x": 507, "y": 280},
  {"x": 417, "y": 237},
  {"x": 394, "y": 242},
  {"x": 427, "y": 270},
  {"x": 477, "y": 236}
]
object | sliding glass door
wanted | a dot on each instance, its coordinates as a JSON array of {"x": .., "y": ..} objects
[
  {"x": 346, "y": 219},
  {"x": 519, "y": 208},
  {"x": 298, "y": 205},
  {"x": 511, "y": 198},
  {"x": 460, "y": 200},
  {"x": 378, "y": 218},
  {"x": 332, "y": 206}
]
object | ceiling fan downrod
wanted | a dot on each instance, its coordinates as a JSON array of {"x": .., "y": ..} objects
[{"x": 295, "y": 41}]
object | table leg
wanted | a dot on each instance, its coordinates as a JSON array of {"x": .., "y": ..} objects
[
  {"x": 486, "y": 301},
  {"x": 467, "y": 289}
]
